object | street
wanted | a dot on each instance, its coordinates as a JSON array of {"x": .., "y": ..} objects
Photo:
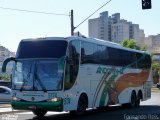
[{"x": 149, "y": 110}]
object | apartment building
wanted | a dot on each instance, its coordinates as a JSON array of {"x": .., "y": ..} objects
[
  {"x": 153, "y": 43},
  {"x": 113, "y": 28},
  {"x": 98, "y": 27},
  {"x": 119, "y": 31},
  {"x": 141, "y": 41}
]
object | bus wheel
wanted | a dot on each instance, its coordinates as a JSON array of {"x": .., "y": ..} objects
[
  {"x": 133, "y": 100},
  {"x": 138, "y": 100},
  {"x": 82, "y": 105},
  {"x": 39, "y": 113}
]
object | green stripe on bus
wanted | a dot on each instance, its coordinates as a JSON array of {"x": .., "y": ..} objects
[{"x": 49, "y": 106}]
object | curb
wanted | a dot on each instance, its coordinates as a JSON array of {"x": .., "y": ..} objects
[
  {"x": 13, "y": 112},
  {"x": 5, "y": 106}
]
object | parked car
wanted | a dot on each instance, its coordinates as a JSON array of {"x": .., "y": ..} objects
[{"x": 5, "y": 94}]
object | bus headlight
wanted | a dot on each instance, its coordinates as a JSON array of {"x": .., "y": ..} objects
[
  {"x": 15, "y": 98},
  {"x": 55, "y": 99}
]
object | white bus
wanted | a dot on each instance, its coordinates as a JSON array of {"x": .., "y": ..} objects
[{"x": 76, "y": 73}]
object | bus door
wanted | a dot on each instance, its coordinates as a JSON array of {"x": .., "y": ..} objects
[{"x": 71, "y": 71}]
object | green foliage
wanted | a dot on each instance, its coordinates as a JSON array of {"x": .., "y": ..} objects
[
  {"x": 143, "y": 48},
  {"x": 155, "y": 66},
  {"x": 130, "y": 43},
  {"x": 152, "y": 54},
  {"x": 5, "y": 77}
]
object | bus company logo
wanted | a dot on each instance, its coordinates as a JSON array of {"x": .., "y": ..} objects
[{"x": 104, "y": 70}]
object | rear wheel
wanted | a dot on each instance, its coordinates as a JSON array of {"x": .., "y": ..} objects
[
  {"x": 132, "y": 103},
  {"x": 138, "y": 100},
  {"x": 133, "y": 99},
  {"x": 39, "y": 113}
]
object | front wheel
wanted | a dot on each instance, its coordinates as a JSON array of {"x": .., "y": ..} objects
[
  {"x": 39, "y": 113},
  {"x": 81, "y": 107}
]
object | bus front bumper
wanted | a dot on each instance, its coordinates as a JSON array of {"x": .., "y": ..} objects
[{"x": 49, "y": 106}]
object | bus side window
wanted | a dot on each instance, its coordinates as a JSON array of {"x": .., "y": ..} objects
[{"x": 72, "y": 66}]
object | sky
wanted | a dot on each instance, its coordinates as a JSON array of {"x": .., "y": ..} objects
[{"x": 15, "y": 25}]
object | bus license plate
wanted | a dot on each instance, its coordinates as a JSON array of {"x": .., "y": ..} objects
[{"x": 32, "y": 107}]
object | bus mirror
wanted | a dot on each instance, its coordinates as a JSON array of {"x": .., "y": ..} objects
[
  {"x": 68, "y": 60},
  {"x": 4, "y": 65}
]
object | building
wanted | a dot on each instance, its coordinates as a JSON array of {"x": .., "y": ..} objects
[
  {"x": 134, "y": 31},
  {"x": 112, "y": 28},
  {"x": 141, "y": 41},
  {"x": 119, "y": 31},
  {"x": 98, "y": 27},
  {"x": 153, "y": 43}
]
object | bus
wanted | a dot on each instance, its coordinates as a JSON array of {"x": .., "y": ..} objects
[{"x": 77, "y": 73}]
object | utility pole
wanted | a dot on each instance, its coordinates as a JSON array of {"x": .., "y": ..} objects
[{"x": 72, "y": 24}]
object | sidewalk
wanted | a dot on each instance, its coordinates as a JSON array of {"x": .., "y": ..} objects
[
  {"x": 7, "y": 109},
  {"x": 4, "y": 105}
]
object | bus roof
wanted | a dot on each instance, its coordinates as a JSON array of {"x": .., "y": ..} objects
[{"x": 87, "y": 39}]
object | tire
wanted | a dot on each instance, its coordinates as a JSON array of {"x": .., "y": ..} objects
[
  {"x": 81, "y": 107},
  {"x": 133, "y": 100},
  {"x": 138, "y": 100},
  {"x": 39, "y": 113}
]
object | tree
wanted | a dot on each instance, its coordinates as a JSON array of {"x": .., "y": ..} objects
[
  {"x": 130, "y": 43},
  {"x": 5, "y": 77},
  {"x": 143, "y": 48},
  {"x": 155, "y": 68}
]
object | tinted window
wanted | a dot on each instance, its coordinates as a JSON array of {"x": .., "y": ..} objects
[
  {"x": 140, "y": 60},
  {"x": 114, "y": 56},
  {"x": 103, "y": 57},
  {"x": 87, "y": 52},
  {"x": 101, "y": 54},
  {"x": 131, "y": 59},
  {"x": 41, "y": 49},
  {"x": 144, "y": 61},
  {"x": 148, "y": 61},
  {"x": 74, "y": 52}
]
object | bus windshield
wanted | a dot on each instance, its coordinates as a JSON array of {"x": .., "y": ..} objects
[{"x": 38, "y": 75}]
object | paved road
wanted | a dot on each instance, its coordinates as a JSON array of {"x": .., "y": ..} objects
[{"x": 149, "y": 110}]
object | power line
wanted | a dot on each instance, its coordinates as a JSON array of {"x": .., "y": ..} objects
[
  {"x": 31, "y": 11},
  {"x": 92, "y": 14}
]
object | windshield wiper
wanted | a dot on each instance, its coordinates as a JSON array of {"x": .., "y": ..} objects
[{"x": 36, "y": 77}]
